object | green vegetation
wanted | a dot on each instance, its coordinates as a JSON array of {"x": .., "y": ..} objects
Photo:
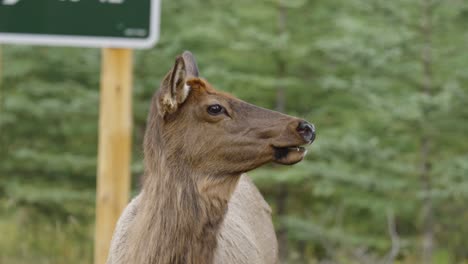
[{"x": 385, "y": 83}]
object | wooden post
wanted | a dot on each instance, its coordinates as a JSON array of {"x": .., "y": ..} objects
[{"x": 115, "y": 129}]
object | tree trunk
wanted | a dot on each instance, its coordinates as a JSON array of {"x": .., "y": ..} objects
[
  {"x": 281, "y": 202},
  {"x": 425, "y": 149},
  {"x": 283, "y": 193},
  {"x": 1, "y": 79},
  {"x": 3, "y": 149},
  {"x": 301, "y": 248}
]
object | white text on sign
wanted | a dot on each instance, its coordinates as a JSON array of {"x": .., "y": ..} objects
[{"x": 10, "y": 2}]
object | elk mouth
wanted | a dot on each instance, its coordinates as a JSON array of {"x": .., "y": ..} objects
[{"x": 289, "y": 155}]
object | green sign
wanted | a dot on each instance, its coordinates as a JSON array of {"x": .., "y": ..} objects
[{"x": 87, "y": 23}]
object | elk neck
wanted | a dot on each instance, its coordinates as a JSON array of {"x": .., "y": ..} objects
[{"x": 180, "y": 212}]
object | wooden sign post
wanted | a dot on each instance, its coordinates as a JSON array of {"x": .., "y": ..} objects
[{"x": 115, "y": 130}]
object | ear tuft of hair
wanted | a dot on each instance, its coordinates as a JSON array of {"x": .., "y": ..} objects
[
  {"x": 166, "y": 104},
  {"x": 196, "y": 83}
]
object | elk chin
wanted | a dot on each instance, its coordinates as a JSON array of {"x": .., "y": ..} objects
[{"x": 289, "y": 155}]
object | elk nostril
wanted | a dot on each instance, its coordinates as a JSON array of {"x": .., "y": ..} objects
[{"x": 307, "y": 131}]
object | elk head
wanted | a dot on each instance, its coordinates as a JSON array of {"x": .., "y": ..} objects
[{"x": 214, "y": 133}]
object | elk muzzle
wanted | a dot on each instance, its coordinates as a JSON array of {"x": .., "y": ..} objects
[
  {"x": 292, "y": 151},
  {"x": 307, "y": 131}
]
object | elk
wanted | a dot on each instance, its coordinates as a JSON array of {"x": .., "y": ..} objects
[{"x": 196, "y": 205}]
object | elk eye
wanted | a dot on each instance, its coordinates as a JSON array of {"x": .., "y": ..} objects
[{"x": 215, "y": 109}]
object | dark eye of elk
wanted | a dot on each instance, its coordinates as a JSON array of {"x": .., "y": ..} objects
[{"x": 215, "y": 109}]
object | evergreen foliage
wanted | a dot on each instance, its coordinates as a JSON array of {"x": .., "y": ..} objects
[{"x": 355, "y": 68}]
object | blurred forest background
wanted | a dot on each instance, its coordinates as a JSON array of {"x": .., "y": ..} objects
[{"x": 385, "y": 83}]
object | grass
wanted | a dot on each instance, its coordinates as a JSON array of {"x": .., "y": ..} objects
[{"x": 30, "y": 236}]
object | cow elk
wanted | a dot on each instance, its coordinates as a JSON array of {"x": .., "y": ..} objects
[{"x": 196, "y": 205}]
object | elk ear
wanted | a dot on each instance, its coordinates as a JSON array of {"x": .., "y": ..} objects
[
  {"x": 190, "y": 63},
  {"x": 174, "y": 89}
]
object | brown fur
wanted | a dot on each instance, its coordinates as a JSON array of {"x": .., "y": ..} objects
[{"x": 193, "y": 162}]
